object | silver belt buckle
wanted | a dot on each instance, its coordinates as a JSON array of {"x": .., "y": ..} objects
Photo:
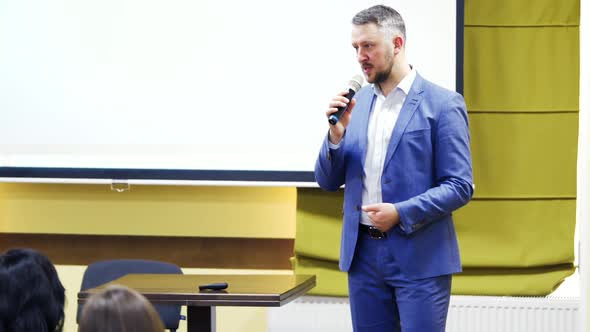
[{"x": 375, "y": 233}]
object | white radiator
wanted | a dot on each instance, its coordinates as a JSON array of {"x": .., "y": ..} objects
[{"x": 466, "y": 314}]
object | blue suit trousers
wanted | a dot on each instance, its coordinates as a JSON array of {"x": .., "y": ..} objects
[{"x": 382, "y": 299}]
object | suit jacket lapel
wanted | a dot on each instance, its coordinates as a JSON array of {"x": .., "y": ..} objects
[{"x": 411, "y": 103}]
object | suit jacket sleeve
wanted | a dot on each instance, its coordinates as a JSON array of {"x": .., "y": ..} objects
[
  {"x": 329, "y": 167},
  {"x": 453, "y": 171}
]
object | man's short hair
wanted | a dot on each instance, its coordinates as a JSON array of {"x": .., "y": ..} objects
[{"x": 386, "y": 18}]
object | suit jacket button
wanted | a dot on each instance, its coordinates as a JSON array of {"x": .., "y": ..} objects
[{"x": 358, "y": 207}]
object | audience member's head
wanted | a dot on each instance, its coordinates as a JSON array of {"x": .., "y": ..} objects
[
  {"x": 118, "y": 308},
  {"x": 31, "y": 295}
]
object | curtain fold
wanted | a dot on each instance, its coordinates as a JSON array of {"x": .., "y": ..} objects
[
  {"x": 521, "y": 69},
  {"x": 524, "y": 155},
  {"x": 472, "y": 281}
]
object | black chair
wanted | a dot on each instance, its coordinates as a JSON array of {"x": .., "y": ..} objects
[{"x": 99, "y": 273}]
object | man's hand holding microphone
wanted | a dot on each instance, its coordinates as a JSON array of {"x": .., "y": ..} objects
[{"x": 340, "y": 109}]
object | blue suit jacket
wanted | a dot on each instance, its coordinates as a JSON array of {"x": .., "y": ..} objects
[{"x": 427, "y": 174}]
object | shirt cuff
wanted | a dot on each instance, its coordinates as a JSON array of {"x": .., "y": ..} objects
[{"x": 334, "y": 146}]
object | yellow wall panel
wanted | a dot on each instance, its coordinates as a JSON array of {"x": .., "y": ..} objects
[{"x": 260, "y": 212}]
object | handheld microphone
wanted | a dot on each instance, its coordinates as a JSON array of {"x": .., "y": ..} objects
[{"x": 354, "y": 85}]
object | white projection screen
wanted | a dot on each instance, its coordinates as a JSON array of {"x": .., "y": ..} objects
[{"x": 198, "y": 91}]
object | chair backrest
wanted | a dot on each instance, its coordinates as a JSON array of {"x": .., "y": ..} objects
[{"x": 102, "y": 272}]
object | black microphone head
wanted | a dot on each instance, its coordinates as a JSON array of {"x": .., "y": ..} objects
[{"x": 356, "y": 82}]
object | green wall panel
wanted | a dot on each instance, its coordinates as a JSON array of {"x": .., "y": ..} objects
[
  {"x": 521, "y": 69},
  {"x": 527, "y": 155}
]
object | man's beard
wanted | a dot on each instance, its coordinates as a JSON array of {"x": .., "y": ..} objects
[{"x": 383, "y": 75}]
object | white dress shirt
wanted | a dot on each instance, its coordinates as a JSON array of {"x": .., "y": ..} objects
[{"x": 381, "y": 123}]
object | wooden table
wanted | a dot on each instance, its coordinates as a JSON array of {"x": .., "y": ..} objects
[{"x": 183, "y": 289}]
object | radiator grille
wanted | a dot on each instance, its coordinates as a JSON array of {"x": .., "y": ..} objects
[{"x": 466, "y": 314}]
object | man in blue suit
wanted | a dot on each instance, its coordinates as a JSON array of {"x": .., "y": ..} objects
[{"x": 405, "y": 161}]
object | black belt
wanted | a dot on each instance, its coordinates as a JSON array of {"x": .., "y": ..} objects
[{"x": 373, "y": 232}]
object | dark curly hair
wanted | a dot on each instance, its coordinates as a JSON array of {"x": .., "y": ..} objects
[{"x": 31, "y": 294}]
